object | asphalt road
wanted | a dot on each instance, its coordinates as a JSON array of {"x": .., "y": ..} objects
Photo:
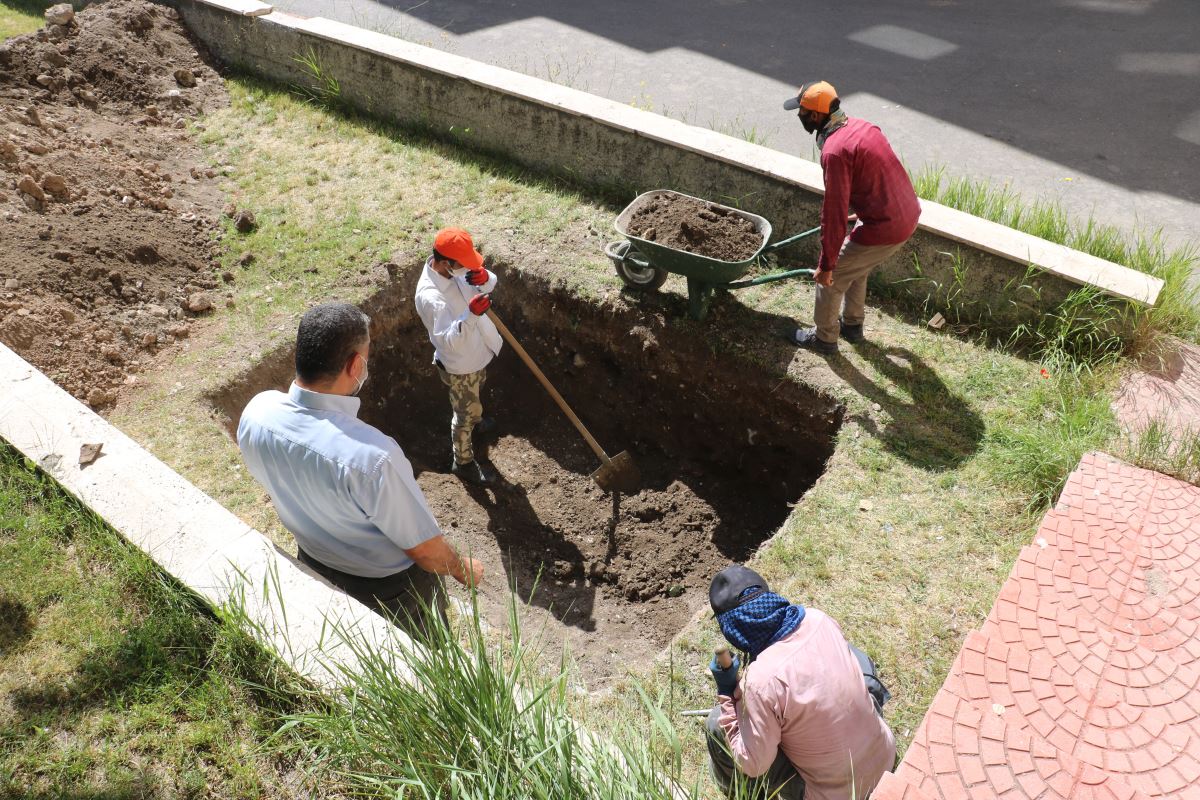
[{"x": 1094, "y": 103}]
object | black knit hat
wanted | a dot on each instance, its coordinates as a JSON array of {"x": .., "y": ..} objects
[{"x": 725, "y": 592}]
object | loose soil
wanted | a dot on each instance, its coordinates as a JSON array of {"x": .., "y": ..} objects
[
  {"x": 706, "y": 229},
  {"x": 106, "y": 205},
  {"x": 724, "y": 450}
]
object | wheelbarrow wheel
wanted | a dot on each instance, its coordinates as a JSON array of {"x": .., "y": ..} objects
[{"x": 637, "y": 273}]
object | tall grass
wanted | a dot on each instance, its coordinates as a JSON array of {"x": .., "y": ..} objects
[
  {"x": 1069, "y": 414},
  {"x": 1177, "y": 311},
  {"x": 1163, "y": 449},
  {"x": 469, "y": 716}
]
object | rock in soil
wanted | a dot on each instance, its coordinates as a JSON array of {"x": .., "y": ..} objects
[
  {"x": 198, "y": 303},
  {"x": 97, "y": 228},
  {"x": 60, "y": 14},
  {"x": 244, "y": 221}
]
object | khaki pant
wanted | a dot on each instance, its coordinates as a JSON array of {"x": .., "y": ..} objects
[
  {"x": 468, "y": 410},
  {"x": 855, "y": 264}
]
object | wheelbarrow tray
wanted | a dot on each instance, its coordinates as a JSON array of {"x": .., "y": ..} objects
[{"x": 696, "y": 267}]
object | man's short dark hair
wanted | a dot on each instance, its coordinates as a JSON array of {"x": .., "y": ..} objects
[{"x": 328, "y": 336}]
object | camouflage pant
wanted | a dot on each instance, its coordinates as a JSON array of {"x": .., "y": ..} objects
[{"x": 468, "y": 410}]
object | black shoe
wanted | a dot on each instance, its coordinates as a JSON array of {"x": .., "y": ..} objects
[
  {"x": 852, "y": 333},
  {"x": 474, "y": 473},
  {"x": 807, "y": 338},
  {"x": 485, "y": 426}
]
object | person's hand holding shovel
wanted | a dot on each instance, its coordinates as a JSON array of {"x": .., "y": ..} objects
[
  {"x": 479, "y": 304},
  {"x": 724, "y": 669}
]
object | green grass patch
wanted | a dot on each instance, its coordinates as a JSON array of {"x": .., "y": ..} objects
[
  {"x": 114, "y": 682},
  {"x": 1177, "y": 312},
  {"x": 21, "y": 16}
]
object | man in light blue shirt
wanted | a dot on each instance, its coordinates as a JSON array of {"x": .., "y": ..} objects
[{"x": 342, "y": 487}]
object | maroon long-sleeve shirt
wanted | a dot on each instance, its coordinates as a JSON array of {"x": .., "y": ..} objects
[{"x": 863, "y": 174}]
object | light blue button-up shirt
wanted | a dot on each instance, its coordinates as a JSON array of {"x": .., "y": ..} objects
[{"x": 342, "y": 487}]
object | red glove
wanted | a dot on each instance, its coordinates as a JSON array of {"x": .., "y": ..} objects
[
  {"x": 477, "y": 277},
  {"x": 479, "y": 304}
]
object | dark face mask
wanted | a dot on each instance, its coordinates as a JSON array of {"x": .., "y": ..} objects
[{"x": 808, "y": 124}]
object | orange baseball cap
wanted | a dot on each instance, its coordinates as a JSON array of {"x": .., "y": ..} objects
[
  {"x": 456, "y": 243},
  {"x": 814, "y": 96}
]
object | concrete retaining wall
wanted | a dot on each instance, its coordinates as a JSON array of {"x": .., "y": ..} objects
[{"x": 604, "y": 143}]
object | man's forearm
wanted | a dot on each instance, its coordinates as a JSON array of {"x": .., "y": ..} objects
[{"x": 438, "y": 556}]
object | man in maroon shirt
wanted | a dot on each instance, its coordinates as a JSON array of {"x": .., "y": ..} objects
[{"x": 861, "y": 174}]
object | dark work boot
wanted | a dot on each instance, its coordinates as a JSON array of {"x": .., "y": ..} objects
[
  {"x": 852, "y": 333},
  {"x": 474, "y": 473},
  {"x": 807, "y": 338},
  {"x": 485, "y": 426}
]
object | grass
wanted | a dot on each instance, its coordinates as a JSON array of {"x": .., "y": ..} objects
[
  {"x": 114, "y": 682},
  {"x": 949, "y": 452},
  {"x": 21, "y": 16},
  {"x": 1177, "y": 312},
  {"x": 499, "y": 728}
]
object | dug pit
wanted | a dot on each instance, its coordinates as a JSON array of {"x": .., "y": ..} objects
[{"x": 724, "y": 449}]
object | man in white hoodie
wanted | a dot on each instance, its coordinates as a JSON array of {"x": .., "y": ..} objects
[{"x": 452, "y": 300}]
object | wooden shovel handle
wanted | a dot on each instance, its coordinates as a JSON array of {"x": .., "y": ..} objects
[{"x": 566, "y": 409}]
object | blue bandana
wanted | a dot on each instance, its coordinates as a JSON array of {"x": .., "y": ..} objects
[{"x": 755, "y": 625}]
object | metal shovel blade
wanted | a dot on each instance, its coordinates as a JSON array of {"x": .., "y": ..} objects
[{"x": 618, "y": 474}]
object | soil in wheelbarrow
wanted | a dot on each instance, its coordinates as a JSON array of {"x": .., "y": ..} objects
[{"x": 695, "y": 226}]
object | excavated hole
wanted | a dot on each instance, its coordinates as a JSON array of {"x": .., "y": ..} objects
[{"x": 724, "y": 450}]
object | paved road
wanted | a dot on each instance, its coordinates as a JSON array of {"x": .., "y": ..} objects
[{"x": 1095, "y": 103}]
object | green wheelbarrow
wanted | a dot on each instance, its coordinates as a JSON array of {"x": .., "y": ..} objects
[{"x": 644, "y": 265}]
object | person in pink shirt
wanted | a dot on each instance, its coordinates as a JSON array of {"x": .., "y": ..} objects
[
  {"x": 799, "y": 717},
  {"x": 862, "y": 175}
]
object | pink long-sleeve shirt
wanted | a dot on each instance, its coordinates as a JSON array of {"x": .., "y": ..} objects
[
  {"x": 863, "y": 174},
  {"x": 805, "y": 695}
]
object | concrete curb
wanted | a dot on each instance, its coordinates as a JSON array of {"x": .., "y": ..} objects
[
  {"x": 563, "y": 130},
  {"x": 291, "y": 611}
]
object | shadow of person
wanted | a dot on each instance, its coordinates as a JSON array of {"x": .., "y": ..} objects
[
  {"x": 544, "y": 568},
  {"x": 932, "y": 428}
]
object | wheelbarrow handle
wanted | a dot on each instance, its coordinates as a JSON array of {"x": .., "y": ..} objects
[{"x": 853, "y": 218}]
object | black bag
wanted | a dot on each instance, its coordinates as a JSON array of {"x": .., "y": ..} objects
[{"x": 879, "y": 693}]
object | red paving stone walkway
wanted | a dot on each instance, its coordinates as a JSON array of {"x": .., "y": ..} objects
[{"x": 1084, "y": 681}]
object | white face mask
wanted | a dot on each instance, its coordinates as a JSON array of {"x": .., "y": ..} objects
[
  {"x": 459, "y": 272},
  {"x": 361, "y": 381}
]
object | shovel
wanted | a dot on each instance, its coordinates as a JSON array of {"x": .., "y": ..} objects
[{"x": 616, "y": 474}]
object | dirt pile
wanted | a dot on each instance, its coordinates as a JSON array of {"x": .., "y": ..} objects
[
  {"x": 106, "y": 205},
  {"x": 705, "y": 229}
]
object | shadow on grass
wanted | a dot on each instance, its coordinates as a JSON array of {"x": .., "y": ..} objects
[
  {"x": 137, "y": 790},
  {"x": 936, "y": 430},
  {"x": 126, "y": 670},
  {"x": 16, "y": 626},
  {"x": 35, "y": 7}
]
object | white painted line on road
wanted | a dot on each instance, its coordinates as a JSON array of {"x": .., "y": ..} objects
[
  {"x": 1111, "y": 6},
  {"x": 1189, "y": 129},
  {"x": 904, "y": 42},
  {"x": 1182, "y": 64}
]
